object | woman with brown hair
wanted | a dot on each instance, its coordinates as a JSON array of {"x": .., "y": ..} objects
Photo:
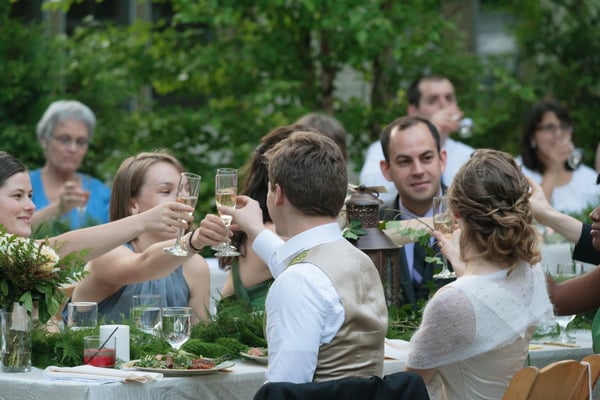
[{"x": 475, "y": 331}]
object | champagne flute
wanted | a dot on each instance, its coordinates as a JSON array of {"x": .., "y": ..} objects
[
  {"x": 81, "y": 210},
  {"x": 176, "y": 325},
  {"x": 575, "y": 159},
  {"x": 563, "y": 273},
  {"x": 226, "y": 195},
  {"x": 443, "y": 222},
  {"x": 187, "y": 193}
]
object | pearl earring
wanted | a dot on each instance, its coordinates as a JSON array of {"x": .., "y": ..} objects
[{"x": 533, "y": 144}]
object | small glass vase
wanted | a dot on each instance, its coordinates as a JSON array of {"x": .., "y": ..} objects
[{"x": 15, "y": 330}]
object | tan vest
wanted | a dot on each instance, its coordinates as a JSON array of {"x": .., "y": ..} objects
[{"x": 357, "y": 348}]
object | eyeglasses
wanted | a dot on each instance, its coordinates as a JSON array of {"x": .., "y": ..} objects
[
  {"x": 555, "y": 129},
  {"x": 81, "y": 143}
]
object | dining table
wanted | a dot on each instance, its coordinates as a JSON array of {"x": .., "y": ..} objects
[{"x": 241, "y": 381}]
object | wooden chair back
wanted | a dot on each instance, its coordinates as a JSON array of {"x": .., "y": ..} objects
[
  {"x": 593, "y": 361},
  {"x": 562, "y": 380},
  {"x": 521, "y": 384}
]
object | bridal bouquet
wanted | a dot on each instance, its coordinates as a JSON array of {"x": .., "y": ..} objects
[{"x": 32, "y": 273}]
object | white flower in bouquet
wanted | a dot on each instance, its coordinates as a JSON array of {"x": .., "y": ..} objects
[{"x": 33, "y": 272}]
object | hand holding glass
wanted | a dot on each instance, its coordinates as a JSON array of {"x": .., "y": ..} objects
[
  {"x": 226, "y": 195},
  {"x": 187, "y": 193},
  {"x": 443, "y": 222},
  {"x": 564, "y": 272},
  {"x": 176, "y": 325}
]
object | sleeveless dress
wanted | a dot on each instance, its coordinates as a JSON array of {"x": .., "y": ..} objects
[{"x": 173, "y": 288}]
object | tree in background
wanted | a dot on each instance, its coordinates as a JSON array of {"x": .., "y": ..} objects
[
  {"x": 223, "y": 73},
  {"x": 559, "y": 54}
]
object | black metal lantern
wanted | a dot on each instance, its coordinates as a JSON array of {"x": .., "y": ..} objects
[{"x": 363, "y": 206}]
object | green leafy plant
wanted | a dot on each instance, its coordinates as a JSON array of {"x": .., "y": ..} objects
[
  {"x": 353, "y": 230},
  {"x": 404, "y": 321},
  {"x": 30, "y": 272},
  {"x": 421, "y": 236}
]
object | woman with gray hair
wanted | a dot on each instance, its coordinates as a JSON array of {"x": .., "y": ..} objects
[{"x": 59, "y": 191}]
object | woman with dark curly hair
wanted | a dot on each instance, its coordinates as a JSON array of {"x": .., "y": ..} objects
[
  {"x": 475, "y": 331},
  {"x": 546, "y": 145}
]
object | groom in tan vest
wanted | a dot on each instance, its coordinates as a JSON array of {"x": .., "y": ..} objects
[{"x": 326, "y": 311}]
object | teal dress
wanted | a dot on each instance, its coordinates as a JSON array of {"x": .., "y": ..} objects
[{"x": 253, "y": 298}]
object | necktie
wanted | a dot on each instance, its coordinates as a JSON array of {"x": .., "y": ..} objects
[{"x": 418, "y": 262}]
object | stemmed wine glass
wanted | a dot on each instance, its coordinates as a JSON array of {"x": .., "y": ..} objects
[
  {"x": 563, "y": 273},
  {"x": 187, "y": 193},
  {"x": 226, "y": 195},
  {"x": 443, "y": 222},
  {"x": 176, "y": 325}
]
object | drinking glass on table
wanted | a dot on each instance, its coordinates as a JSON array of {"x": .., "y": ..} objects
[
  {"x": 82, "y": 315},
  {"x": 99, "y": 352},
  {"x": 187, "y": 193},
  {"x": 564, "y": 272},
  {"x": 176, "y": 325},
  {"x": 226, "y": 195},
  {"x": 443, "y": 222},
  {"x": 146, "y": 310}
]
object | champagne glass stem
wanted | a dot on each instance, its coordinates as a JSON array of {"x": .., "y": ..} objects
[
  {"x": 445, "y": 269},
  {"x": 178, "y": 240},
  {"x": 227, "y": 241}
]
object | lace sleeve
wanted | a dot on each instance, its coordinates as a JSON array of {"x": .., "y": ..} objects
[{"x": 448, "y": 325}]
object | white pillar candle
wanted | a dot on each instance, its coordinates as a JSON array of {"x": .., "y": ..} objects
[{"x": 122, "y": 335}]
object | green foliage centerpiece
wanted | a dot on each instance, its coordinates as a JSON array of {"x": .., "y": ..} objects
[{"x": 31, "y": 277}]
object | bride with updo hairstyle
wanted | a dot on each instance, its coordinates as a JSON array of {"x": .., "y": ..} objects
[
  {"x": 475, "y": 331},
  {"x": 492, "y": 198}
]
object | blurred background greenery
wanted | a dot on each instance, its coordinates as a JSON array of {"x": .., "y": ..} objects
[{"x": 207, "y": 78}]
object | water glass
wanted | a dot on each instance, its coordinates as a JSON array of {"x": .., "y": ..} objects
[
  {"x": 82, "y": 315},
  {"x": 176, "y": 325},
  {"x": 146, "y": 312}
]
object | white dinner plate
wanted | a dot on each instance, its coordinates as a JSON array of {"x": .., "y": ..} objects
[
  {"x": 258, "y": 359},
  {"x": 180, "y": 372}
]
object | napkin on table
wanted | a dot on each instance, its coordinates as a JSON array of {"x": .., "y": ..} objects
[
  {"x": 395, "y": 349},
  {"x": 89, "y": 372}
]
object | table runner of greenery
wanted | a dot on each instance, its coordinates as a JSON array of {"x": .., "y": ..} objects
[{"x": 232, "y": 330}]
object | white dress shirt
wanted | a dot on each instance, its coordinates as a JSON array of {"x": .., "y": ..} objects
[
  {"x": 303, "y": 308},
  {"x": 371, "y": 175}
]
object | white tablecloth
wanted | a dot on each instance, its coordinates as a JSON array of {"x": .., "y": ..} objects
[
  {"x": 242, "y": 383},
  {"x": 541, "y": 354}
]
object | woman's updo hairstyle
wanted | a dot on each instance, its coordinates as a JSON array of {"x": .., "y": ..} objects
[{"x": 491, "y": 196}]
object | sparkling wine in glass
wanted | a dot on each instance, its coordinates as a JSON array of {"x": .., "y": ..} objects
[
  {"x": 187, "y": 193},
  {"x": 563, "y": 273},
  {"x": 176, "y": 325},
  {"x": 443, "y": 222},
  {"x": 226, "y": 195}
]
